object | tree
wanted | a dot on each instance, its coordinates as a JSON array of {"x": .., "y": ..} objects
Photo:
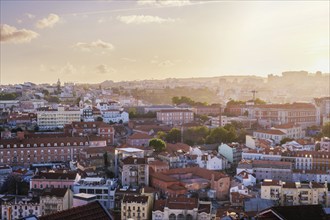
[
  {"x": 217, "y": 135},
  {"x": 105, "y": 157},
  {"x": 157, "y": 144},
  {"x": 173, "y": 136},
  {"x": 284, "y": 140},
  {"x": 99, "y": 118},
  {"x": 326, "y": 130},
  {"x": 161, "y": 135}
]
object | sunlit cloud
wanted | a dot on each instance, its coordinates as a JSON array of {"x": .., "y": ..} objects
[
  {"x": 103, "y": 69},
  {"x": 68, "y": 69},
  {"x": 48, "y": 22},
  {"x": 10, "y": 34},
  {"x": 30, "y": 16},
  {"x": 160, "y": 3},
  {"x": 98, "y": 44},
  {"x": 143, "y": 19},
  {"x": 129, "y": 59}
]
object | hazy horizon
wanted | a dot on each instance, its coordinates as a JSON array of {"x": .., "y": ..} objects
[{"x": 90, "y": 42}]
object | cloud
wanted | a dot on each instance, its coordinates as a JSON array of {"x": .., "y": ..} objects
[
  {"x": 98, "y": 44},
  {"x": 164, "y": 3},
  {"x": 129, "y": 59},
  {"x": 19, "y": 21},
  {"x": 48, "y": 22},
  {"x": 31, "y": 16},
  {"x": 103, "y": 69},
  {"x": 166, "y": 63},
  {"x": 68, "y": 69},
  {"x": 162, "y": 63},
  {"x": 10, "y": 34},
  {"x": 143, "y": 19}
]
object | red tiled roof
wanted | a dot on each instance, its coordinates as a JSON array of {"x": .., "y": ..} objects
[
  {"x": 138, "y": 135},
  {"x": 135, "y": 199},
  {"x": 271, "y": 131},
  {"x": 90, "y": 211},
  {"x": 57, "y": 192}
]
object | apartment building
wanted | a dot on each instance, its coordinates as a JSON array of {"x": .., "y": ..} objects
[
  {"x": 55, "y": 200},
  {"x": 134, "y": 171},
  {"x": 181, "y": 208},
  {"x": 295, "y": 193},
  {"x": 136, "y": 207},
  {"x": 98, "y": 128},
  {"x": 304, "y": 114},
  {"x": 18, "y": 207},
  {"x": 26, "y": 151},
  {"x": 213, "y": 110},
  {"x": 266, "y": 169},
  {"x": 178, "y": 181},
  {"x": 104, "y": 189},
  {"x": 54, "y": 180},
  {"x": 138, "y": 139},
  {"x": 175, "y": 116},
  {"x": 56, "y": 118},
  {"x": 232, "y": 152}
]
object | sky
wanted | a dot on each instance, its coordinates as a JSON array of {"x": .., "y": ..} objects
[{"x": 94, "y": 41}]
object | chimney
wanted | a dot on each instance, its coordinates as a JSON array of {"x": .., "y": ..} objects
[{"x": 20, "y": 135}]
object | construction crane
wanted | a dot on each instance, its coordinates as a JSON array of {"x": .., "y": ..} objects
[{"x": 254, "y": 94}]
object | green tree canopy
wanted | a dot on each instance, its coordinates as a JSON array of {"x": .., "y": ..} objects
[
  {"x": 173, "y": 136},
  {"x": 157, "y": 144},
  {"x": 326, "y": 130}
]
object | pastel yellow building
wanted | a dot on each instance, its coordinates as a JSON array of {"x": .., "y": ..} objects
[{"x": 295, "y": 193}]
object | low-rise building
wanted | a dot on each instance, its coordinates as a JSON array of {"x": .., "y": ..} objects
[
  {"x": 138, "y": 139},
  {"x": 295, "y": 193},
  {"x": 232, "y": 152},
  {"x": 175, "y": 116},
  {"x": 54, "y": 180},
  {"x": 55, "y": 199},
  {"x": 181, "y": 208},
  {"x": 56, "y": 118},
  {"x": 134, "y": 171},
  {"x": 181, "y": 180},
  {"x": 17, "y": 207},
  {"x": 136, "y": 207},
  {"x": 104, "y": 189}
]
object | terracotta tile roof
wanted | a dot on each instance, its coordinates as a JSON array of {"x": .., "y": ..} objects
[
  {"x": 133, "y": 160},
  {"x": 174, "y": 110},
  {"x": 56, "y": 176},
  {"x": 271, "y": 131},
  {"x": 90, "y": 211},
  {"x": 138, "y": 135},
  {"x": 201, "y": 172},
  {"x": 159, "y": 205},
  {"x": 271, "y": 183},
  {"x": 57, "y": 192},
  {"x": 176, "y": 187},
  {"x": 163, "y": 177},
  {"x": 182, "y": 203},
  {"x": 204, "y": 208},
  {"x": 287, "y": 106},
  {"x": 158, "y": 163},
  {"x": 301, "y": 212},
  {"x": 135, "y": 199},
  {"x": 286, "y": 126}
]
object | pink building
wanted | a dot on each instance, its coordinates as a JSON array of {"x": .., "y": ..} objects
[
  {"x": 139, "y": 139},
  {"x": 175, "y": 116},
  {"x": 54, "y": 180}
]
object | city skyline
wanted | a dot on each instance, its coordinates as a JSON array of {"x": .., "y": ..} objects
[{"x": 133, "y": 40}]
